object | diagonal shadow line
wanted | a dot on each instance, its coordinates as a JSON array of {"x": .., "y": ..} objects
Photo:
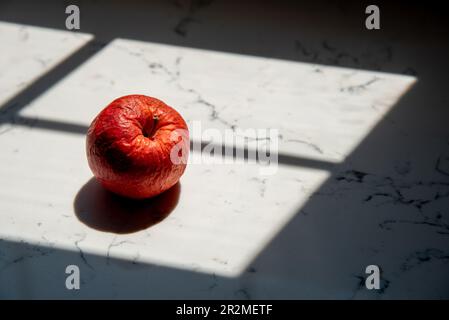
[
  {"x": 235, "y": 152},
  {"x": 55, "y": 125},
  {"x": 46, "y": 81},
  {"x": 283, "y": 159}
]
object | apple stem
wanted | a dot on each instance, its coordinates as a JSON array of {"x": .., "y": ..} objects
[{"x": 150, "y": 132}]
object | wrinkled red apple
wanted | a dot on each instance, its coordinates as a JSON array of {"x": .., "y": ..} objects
[{"x": 137, "y": 146}]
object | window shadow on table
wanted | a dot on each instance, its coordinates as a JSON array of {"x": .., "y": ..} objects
[
  {"x": 386, "y": 204},
  {"x": 362, "y": 214}
]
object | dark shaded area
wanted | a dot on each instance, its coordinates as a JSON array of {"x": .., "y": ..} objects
[
  {"x": 28, "y": 265},
  {"x": 104, "y": 211},
  {"x": 308, "y": 31}
]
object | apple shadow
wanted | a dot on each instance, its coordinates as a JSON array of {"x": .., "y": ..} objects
[{"x": 105, "y": 211}]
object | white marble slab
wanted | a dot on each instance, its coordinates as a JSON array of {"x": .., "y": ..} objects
[
  {"x": 226, "y": 214},
  {"x": 27, "y": 52}
]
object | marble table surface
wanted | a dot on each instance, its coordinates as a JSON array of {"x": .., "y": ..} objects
[{"x": 307, "y": 231}]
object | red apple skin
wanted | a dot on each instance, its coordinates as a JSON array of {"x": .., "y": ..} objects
[{"x": 129, "y": 144}]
